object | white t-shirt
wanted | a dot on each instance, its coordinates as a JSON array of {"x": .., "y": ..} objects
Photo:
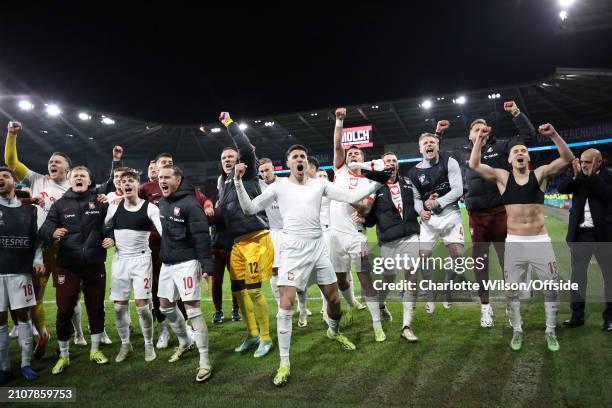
[
  {"x": 132, "y": 242},
  {"x": 275, "y": 219},
  {"x": 396, "y": 196},
  {"x": 47, "y": 190},
  {"x": 340, "y": 213},
  {"x": 300, "y": 204}
]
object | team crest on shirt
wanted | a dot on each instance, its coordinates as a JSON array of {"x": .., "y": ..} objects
[
  {"x": 61, "y": 279},
  {"x": 177, "y": 211},
  {"x": 290, "y": 276},
  {"x": 92, "y": 206},
  {"x": 353, "y": 181},
  {"x": 422, "y": 178},
  {"x": 490, "y": 149}
]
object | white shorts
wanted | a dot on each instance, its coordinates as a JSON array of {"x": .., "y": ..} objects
[
  {"x": 277, "y": 240},
  {"x": 129, "y": 273},
  {"x": 406, "y": 247},
  {"x": 348, "y": 249},
  {"x": 448, "y": 227},
  {"x": 16, "y": 292},
  {"x": 180, "y": 280},
  {"x": 522, "y": 251},
  {"x": 304, "y": 261}
]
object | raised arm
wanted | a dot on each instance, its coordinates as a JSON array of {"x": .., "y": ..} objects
[
  {"x": 558, "y": 165},
  {"x": 10, "y": 151},
  {"x": 339, "y": 155},
  {"x": 108, "y": 185},
  {"x": 246, "y": 151},
  {"x": 261, "y": 202},
  {"x": 526, "y": 131},
  {"x": 486, "y": 172}
]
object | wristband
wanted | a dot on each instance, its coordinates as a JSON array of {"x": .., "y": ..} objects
[
  {"x": 516, "y": 112},
  {"x": 438, "y": 133},
  {"x": 339, "y": 122},
  {"x": 227, "y": 122}
]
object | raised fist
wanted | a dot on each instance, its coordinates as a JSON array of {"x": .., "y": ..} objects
[
  {"x": 14, "y": 127},
  {"x": 341, "y": 113},
  {"x": 442, "y": 126},
  {"x": 547, "y": 130},
  {"x": 510, "y": 106},
  {"x": 576, "y": 167},
  {"x": 223, "y": 116},
  {"x": 483, "y": 132},
  {"x": 117, "y": 153},
  {"x": 240, "y": 169}
]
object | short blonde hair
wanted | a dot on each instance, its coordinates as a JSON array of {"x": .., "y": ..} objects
[{"x": 477, "y": 121}]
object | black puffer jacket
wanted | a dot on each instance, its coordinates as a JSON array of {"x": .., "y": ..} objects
[
  {"x": 389, "y": 224},
  {"x": 236, "y": 222},
  {"x": 185, "y": 234},
  {"x": 83, "y": 216},
  {"x": 481, "y": 195}
]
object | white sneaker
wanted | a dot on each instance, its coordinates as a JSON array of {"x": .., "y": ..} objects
[
  {"x": 486, "y": 316},
  {"x": 447, "y": 305},
  {"x": 80, "y": 340},
  {"x": 164, "y": 337},
  {"x": 303, "y": 320},
  {"x": 430, "y": 307},
  {"x": 14, "y": 334},
  {"x": 124, "y": 352},
  {"x": 150, "y": 353},
  {"x": 105, "y": 339}
]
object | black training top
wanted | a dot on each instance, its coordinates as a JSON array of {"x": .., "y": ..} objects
[{"x": 529, "y": 193}]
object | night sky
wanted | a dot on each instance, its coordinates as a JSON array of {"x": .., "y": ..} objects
[{"x": 183, "y": 66}]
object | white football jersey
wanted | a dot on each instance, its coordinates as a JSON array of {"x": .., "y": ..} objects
[
  {"x": 340, "y": 213},
  {"x": 275, "y": 219},
  {"x": 47, "y": 190}
]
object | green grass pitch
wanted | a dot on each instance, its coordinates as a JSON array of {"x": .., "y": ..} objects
[{"x": 455, "y": 363}]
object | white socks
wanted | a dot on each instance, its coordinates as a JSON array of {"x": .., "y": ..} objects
[
  {"x": 64, "y": 348},
  {"x": 145, "y": 317},
  {"x": 5, "y": 361},
  {"x": 301, "y": 297},
  {"x": 515, "y": 315},
  {"x": 283, "y": 328},
  {"x": 76, "y": 320},
  {"x": 200, "y": 334},
  {"x": 95, "y": 342},
  {"x": 334, "y": 325},
  {"x": 122, "y": 322},
  {"x": 349, "y": 296},
  {"x": 275, "y": 290},
  {"x": 177, "y": 323},
  {"x": 374, "y": 308},
  {"x": 25, "y": 341},
  {"x": 551, "y": 316}
]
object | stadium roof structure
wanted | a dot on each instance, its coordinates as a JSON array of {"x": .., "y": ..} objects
[{"x": 569, "y": 98}]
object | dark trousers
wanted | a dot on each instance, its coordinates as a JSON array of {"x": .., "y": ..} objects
[
  {"x": 221, "y": 259},
  {"x": 583, "y": 249},
  {"x": 159, "y": 316},
  {"x": 486, "y": 228},
  {"x": 69, "y": 282}
]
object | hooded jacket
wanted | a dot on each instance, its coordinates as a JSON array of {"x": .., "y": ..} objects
[
  {"x": 185, "y": 234},
  {"x": 83, "y": 216},
  {"x": 235, "y": 221}
]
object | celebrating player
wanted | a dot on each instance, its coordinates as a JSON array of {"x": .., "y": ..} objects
[
  {"x": 132, "y": 267},
  {"x": 348, "y": 242},
  {"x": 76, "y": 220},
  {"x": 304, "y": 255},
  {"x": 437, "y": 186},
  {"x": 19, "y": 254},
  {"x": 185, "y": 256},
  {"x": 527, "y": 242},
  {"x": 252, "y": 253},
  {"x": 485, "y": 207},
  {"x": 46, "y": 189}
]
